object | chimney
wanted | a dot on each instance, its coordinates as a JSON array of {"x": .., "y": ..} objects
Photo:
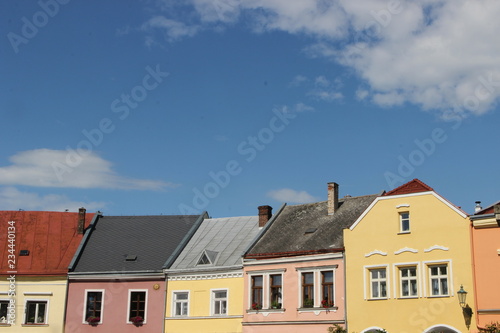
[
  {"x": 496, "y": 210},
  {"x": 265, "y": 213},
  {"x": 478, "y": 207},
  {"x": 81, "y": 221},
  {"x": 333, "y": 197}
]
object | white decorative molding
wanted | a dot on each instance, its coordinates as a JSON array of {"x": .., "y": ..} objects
[
  {"x": 406, "y": 249},
  {"x": 205, "y": 276},
  {"x": 376, "y": 252},
  {"x": 437, "y": 247},
  {"x": 403, "y": 205}
]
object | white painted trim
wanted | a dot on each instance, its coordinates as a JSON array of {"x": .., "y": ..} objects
[
  {"x": 317, "y": 285},
  {"x": 26, "y": 300},
  {"x": 367, "y": 281},
  {"x": 375, "y": 252},
  {"x": 174, "y": 301},
  {"x": 430, "y": 329},
  {"x": 403, "y": 205},
  {"x": 390, "y": 197},
  {"x": 304, "y": 258},
  {"x": 437, "y": 247},
  {"x": 451, "y": 291},
  {"x": 373, "y": 328},
  {"x": 397, "y": 278},
  {"x": 38, "y": 293},
  {"x": 193, "y": 277},
  {"x": 405, "y": 249},
  {"x": 85, "y": 304},
  {"x": 212, "y": 302},
  {"x": 145, "y": 305}
]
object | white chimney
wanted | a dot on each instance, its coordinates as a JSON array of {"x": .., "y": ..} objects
[
  {"x": 333, "y": 198},
  {"x": 478, "y": 207}
]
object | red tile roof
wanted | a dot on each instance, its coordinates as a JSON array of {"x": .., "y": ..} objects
[
  {"x": 413, "y": 186},
  {"x": 50, "y": 237}
]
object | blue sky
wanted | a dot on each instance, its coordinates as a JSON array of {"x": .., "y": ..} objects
[{"x": 170, "y": 107}]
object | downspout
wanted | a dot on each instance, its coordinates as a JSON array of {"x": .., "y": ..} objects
[
  {"x": 345, "y": 291},
  {"x": 474, "y": 274}
]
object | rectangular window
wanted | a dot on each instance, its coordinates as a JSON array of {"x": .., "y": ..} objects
[
  {"x": 327, "y": 289},
  {"x": 308, "y": 290},
  {"x": 404, "y": 219},
  {"x": 408, "y": 278},
  {"x": 219, "y": 302},
  {"x": 4, "y": 311},
  {"x": 137, "y": 305},
  {"x": 36, "y": 312},
  {"x": 257, "y": 283},
  {"x": 93, "y": 305},
  {"x": 378, "y": 283},
  {"x": 275, "y": 291},
  {"x": 181, "y": 303},
  {"x": 439, "y": 280}
]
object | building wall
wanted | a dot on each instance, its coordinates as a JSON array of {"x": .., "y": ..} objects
[
  {"x": 292, "y": 317},
  {"x": 115, "y": 306},
  {"x": 487, "y": 271},
  {"x": 438, "y": 234},
  {"x": 200, "y": 318},
  {"x": 50, "y": 289}
]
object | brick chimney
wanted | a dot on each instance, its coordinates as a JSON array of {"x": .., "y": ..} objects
[
  {"x": 265, "y": 213},
  {"x": 333, "y": 198},
  {"x": 81, "y": 221}
]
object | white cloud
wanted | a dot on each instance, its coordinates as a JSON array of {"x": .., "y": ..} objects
[
  {"x": 13, "y": 199},
  {"x": 173, "y": 30},
  {"x": 291, "y": 196},
  {"x": 438, "y": 55},
  {"x": 68, "y": 169},
  {"x": 301, "y": 107},
  {"x": 298, "y": 80}
]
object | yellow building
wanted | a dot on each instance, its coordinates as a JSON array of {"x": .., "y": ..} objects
[
  {"x": 205, "y": 283},
  {"x": 407, "y": 257}
]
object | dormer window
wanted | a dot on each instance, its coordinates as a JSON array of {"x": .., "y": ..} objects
[
  {"x": 207, "y": 258},
  {"x": 404, "y": 222}
]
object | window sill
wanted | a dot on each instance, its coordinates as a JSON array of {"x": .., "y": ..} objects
[
  {"x": 34, "y": 325},
  {"x": 266, "y": 310},
  {"x": 4, "y": 325},
  {"x": 408, "y": 297},
  {"x": 378, "y": 299},
  {"x": 438, "y": 296},
  {"x": 333, "y": 308},
  {"x": 404, "y": 232}
]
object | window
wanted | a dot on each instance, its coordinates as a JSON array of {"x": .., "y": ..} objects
[
  {"x": 439, "y": 280},
  {"x": 275, "y": 291},
  {"x": 408, "y": 278},
  {"x": 93, "y": 305},
  {"x": 327, "y": 289},
  {"x": 308, "y": 290},
  {"x": 378, "y": 283},
  {"x": 219, "y": 302},
  {"x": 181, "y": 303},
  {"x": 257, "y": 283},
  {"x": 4, "y": 306},
  {"x": 404, "y": 222},
  {"x": 137, "y": 305},
  {"x": 36, "y": 312}
]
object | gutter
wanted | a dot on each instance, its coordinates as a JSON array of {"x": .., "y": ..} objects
[{"x": 291, "y": 253}]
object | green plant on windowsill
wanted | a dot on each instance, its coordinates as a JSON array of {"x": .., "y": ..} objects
[
  {"x": 275, "y": 305},
  {"x": 308, "y": 303}
]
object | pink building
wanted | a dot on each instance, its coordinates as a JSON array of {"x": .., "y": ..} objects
[
  {"x": 486, "y": 260},
  {"x": 116, "y": 279},
  {"x": 294, "y": 271}
]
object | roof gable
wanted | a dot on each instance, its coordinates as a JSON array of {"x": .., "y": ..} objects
[
  {"x": 50, "y": 237},
  {"x": 413, "y": 186}
]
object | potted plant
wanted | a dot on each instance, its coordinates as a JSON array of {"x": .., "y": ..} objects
[
  {"x": 275, "y": 305},
  {"x": 256, "y": 306},
  {"x": 93, "y": 321},
  {"x": 137, "y": 321},
  {"x": 326, "y": 304},
  {"x": 308, "y": 303}
]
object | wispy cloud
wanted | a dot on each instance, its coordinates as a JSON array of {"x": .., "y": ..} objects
[
  {"x": 13, "y": 199},
  {"x": 68, "y": 169},
  {"x": 291, "y": 196},
  {"x": 173, "y": 30},
  {"x": 438, "y": 55}
]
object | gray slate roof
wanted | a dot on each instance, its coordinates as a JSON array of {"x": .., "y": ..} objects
[
  {"x": 287, "y": 233},
  {"x": 227, "y": 237},
  {"x": 153, "y": 239}
]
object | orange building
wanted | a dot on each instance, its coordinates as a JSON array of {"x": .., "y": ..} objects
[{"x": 486, "y": 257}]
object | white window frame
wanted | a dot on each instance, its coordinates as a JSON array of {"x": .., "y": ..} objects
[
  {"x": 174, "y": 302},
  {"x": 367, "y": 286},
  {"x": 38, "y": 300},
  {"x": 426, "y": 276},
  {"x": 7, "y": 314},
  {"x": 401, "y": 220},
  {"x": 266, "y": 286},
  {"x": 408, "y": 279},
  {"x": 145, "y": 304},
  {"x": 317, "y": 287},
  {"x": 84, "y": 321},
  {"x": 213, "y": 299}
]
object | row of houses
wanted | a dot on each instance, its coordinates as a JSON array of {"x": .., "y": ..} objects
[{"x": 407, "y": 260}]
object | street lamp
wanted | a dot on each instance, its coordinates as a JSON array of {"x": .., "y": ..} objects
[{"x": 462, "y": 295}]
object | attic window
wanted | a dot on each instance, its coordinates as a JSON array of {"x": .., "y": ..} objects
[
  {"x": 131, "y": 257},
  {"x": 24, "y": 253},
  {"x": 310, "y": 230},
  {"x": 207, "y": 258}
]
